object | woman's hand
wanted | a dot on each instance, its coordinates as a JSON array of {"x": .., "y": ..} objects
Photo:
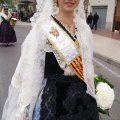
[{"x": 8, "y": 20}]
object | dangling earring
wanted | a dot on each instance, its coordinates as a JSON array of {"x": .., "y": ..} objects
[
  {"x": 55, "y": 6},
  {"x": 76, "y": 11}
]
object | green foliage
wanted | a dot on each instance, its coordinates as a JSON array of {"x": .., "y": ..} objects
[
  {"x": 10, "y": 6},
  {"x": 8, "y": 1},
  {"x": 100, "y": 78},
  {"x": 106, "y": 112}
]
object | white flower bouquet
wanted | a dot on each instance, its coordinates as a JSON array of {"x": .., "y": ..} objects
[
  {"x": 104, "y": 94},
  {"x": 13, "y": 22}
]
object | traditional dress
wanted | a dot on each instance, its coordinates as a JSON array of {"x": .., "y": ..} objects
[
  {"x": 64, "y": 97},
  {"x": 7, "y": 33},
  {"x": 44, "y": 86}
]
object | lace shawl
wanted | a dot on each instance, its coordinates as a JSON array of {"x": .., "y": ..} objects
[
  {"x": 27, "y": 80},
  {"x": 2, "y": 14}
]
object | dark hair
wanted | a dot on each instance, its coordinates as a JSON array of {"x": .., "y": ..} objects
[{"x": 5, "y": 9}]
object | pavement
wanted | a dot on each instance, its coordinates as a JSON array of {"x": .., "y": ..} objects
[
  {"x": 106, "y": 45},
  {"x": 24, "y": 24}
]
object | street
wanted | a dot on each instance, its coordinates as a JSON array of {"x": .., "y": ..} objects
[{"x": 9, "y": 56}]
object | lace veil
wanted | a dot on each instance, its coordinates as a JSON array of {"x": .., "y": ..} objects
[
  {"x": 4, "y": 15},
  {"x": 45, "y": 9},
  {"x": 27, "y": 81}
]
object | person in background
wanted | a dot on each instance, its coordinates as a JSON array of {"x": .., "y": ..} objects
[
  {"x": 14, "y": 15},
  {"x": 25, "y": 15},
  {"x": 21, "y": 15},
  {"x": 15, "y": 10},
  {"x": 32, "y": 14},
  {"x": 89, "y": 19},
  {"x": 28, "y": 15},
  {"x": 95, "y": 20},
  {"x": 7, "y": 33}
]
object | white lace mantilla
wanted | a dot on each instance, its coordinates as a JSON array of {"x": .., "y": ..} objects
[{"x": 28, "y": 79}]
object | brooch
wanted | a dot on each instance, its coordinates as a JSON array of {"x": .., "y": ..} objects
[{"x": 54, "y": 32}]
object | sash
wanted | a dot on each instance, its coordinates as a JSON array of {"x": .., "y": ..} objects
[{"x": 65, "y": 46}]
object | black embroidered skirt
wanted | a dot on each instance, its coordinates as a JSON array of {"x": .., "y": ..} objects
[
  {"x": 65, "y": 98},
  {"x": 7, "y": 33}
]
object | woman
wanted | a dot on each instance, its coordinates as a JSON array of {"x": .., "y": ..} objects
[
  {"x": 54, "y": 77},
  {"x": 7, "y": 33}
]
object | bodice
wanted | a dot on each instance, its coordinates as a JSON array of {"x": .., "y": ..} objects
[{"x": 51, "y": 65}]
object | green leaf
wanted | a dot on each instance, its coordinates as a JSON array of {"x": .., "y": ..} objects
[
  {"x": 100, "y": 78},
  {"x": 104, "y": 111}
]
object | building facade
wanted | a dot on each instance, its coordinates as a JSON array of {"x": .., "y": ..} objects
[{"x": 106, "y": 11}]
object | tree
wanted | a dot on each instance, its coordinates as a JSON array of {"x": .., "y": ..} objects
[{"x": 7, "y": 1}]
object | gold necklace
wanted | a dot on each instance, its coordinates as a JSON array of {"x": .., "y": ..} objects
[
  {"x": 68, "y": 25},
  {"x": 76, "y": 41}
]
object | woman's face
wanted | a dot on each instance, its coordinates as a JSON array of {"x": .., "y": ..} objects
[
  {"x": 6, "y": 12},
  {"x": 68, "y": 5}
]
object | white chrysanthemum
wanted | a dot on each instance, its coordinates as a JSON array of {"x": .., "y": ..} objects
[
  {"x": 104, "y": 96},
  {"x": 13, "y": 18}
]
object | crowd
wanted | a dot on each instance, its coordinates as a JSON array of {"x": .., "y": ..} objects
[
  {"x": 92, "y": 20},
  {"x": 25, "y": 15}
]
